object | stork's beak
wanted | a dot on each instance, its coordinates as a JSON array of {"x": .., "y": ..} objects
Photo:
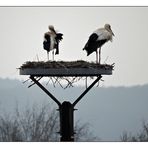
[
  {"x": 112, "y": 33},
  {"x": 54, "y": 31}
]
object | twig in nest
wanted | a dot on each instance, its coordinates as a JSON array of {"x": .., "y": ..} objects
[
  {"x": 98, "y": 84},
  {"x": 56, "y": 80},
  {"x": 113, "y": 64},
  {"x": 86, "y": 82},
  {"x": 91, "y": 77},
  {"x": 69, "y": 84},
  {"x": 50, "y": 78},
  {"x": 106, "y": 59},
  {"x": 99, "y": 81},
  {"x": 26, "y": 81},
  {"x": 78, "y": 79},
  {"x": 58, "y": 63},
  {"x": 69, "y": 81},
  {"x": 73, "y": 80},
  {"x": 34, "y": 82},
  {"x": 37, "y": 57},
  {"x": 52, "y": 82},
  {"x": 48, "y": 81}
]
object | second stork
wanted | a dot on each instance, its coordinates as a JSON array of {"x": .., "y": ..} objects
[{"x": 51, "y": 41}]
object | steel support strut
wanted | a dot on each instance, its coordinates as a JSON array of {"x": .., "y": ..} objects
[
  {"x": 66, "y": 110},
  {"x": 45, "y": 90},
  {"x": 86, "y": 90}
]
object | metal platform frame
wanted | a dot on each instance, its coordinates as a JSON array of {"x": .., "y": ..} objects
[{"x": 66, "y": 110}]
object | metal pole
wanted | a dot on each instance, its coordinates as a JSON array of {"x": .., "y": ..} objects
[
  {"x": 66, "y": 122},
  {"x": 66, "y": 115},
  {"x": 82, "y": 95}
]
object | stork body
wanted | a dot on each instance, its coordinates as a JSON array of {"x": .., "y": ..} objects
[
  {"x": 51, "y": 41},
  {"x": 98, "y": 38}
]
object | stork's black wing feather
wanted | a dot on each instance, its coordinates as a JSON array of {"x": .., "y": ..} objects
[
  {"x": 91, "y": 44},
  {"x": 46, "y": 45},
  {"x": 93, "y": 37},
  {"x": 47, "y": 37},
  {"x": 58, "y": 38}
]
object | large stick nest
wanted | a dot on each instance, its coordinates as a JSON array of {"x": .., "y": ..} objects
[{"x": 64, "y": 64}]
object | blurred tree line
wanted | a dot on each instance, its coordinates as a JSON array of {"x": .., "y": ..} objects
[
  {"x": 38, "y": 125},
  {"x": 42, "y": 125},
  {"x": 141, "y": 136}
]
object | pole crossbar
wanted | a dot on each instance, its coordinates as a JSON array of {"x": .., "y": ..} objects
[
  {"x": 84, "y": 93},
  {"x": 45, "y": 90}
]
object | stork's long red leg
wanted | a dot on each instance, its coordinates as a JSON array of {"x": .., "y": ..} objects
[
  {"x": 47, "y": 55},
  {"x": 100, "y": 55},
  {"x": 97, "y": 56},
  {"x": 53, "y": 55}
]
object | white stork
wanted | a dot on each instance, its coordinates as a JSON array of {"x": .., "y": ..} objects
[
  {"x": 97, "y": 39},
  {"x": 51, "y": 41}
]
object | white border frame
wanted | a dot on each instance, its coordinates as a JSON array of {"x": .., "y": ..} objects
[{"x": 73, "y": 3}]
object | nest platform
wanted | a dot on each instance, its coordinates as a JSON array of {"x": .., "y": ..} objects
[{"x": 65, "y": 68}]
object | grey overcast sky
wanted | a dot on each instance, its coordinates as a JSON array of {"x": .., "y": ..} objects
[{"x": 22, "y": 29}]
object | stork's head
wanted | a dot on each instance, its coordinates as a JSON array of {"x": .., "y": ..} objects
[
  {"x": 108, "y": 28},
  {"x": 51, "y": 28}
]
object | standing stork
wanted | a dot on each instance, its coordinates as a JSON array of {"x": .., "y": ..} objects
[
  {"x": 97, "y": 39},
  {"x": 51, "y": 41}
]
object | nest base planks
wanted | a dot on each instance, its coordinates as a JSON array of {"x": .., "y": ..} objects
[{"x": 66, "y": 69}]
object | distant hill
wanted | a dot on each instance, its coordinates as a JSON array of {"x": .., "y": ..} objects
[{"x": 110, "y": 111}]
